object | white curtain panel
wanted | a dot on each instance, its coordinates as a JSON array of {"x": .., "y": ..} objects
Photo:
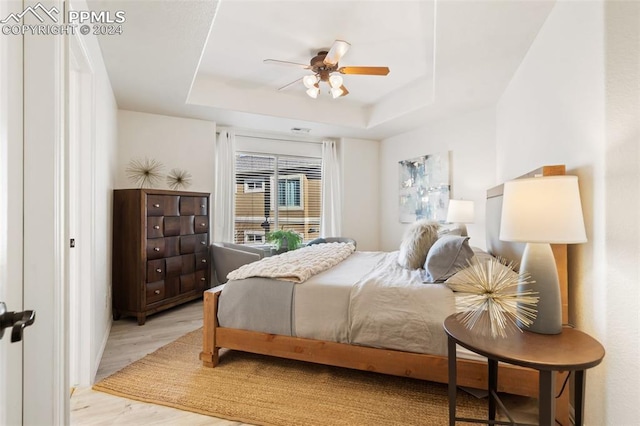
[
  {"x": 224, "y": 187},
  {"x": 331, "y": 218}
]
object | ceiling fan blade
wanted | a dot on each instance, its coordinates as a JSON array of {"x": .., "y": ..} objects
[
  {"x": 338, "y": 49},
  {"x": 345, "y": 92},
  {"x": 287, "y": 63},
  {"x": 364, "y": 70},
  {"x": 290, "y": 84}
]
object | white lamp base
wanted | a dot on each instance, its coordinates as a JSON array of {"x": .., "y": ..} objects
[{"x": 538, "y": 261}]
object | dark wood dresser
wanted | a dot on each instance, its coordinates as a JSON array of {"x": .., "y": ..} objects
[{"x": 160, "y": 250}]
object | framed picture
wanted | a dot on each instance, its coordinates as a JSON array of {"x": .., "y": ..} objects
[{"x": 424, "y": 188}]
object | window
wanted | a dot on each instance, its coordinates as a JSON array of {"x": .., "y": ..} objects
[
  {"x": 253, "y": 185},
  {"x": 290, "y": 192},
  {"x": 254, "y": 237},
  {"x": 262, "y": 205}
]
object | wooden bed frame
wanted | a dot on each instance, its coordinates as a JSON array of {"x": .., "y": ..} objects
[{"x": 512, "y": 379}]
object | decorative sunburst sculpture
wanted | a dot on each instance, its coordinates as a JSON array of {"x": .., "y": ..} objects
[
  {"x": 488, "y": 299},
  {"x": 144, "y": 173},
  {"x": 179, "y": 179}
]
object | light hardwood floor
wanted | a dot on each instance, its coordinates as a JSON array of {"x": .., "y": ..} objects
[{"x": 129, "y": 342}]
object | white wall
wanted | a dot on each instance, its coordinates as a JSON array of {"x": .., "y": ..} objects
[
  {"x": 105, "y": 150},
  {"x": 471, "y": 140},
  {"x": 181, "y": 143},
  {"x": 573, "y": 101},
  {"x": 360, "y": 192}
]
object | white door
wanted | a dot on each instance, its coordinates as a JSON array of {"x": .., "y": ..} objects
[{"x": 11, "y": 223}]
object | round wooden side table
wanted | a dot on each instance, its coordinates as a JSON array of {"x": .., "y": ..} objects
[{"x": 571, "y": 350}]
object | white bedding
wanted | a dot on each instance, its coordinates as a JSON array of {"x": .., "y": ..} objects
[
  {"x": 368, "y": 299},
  {"x": 391, "y": 307}
]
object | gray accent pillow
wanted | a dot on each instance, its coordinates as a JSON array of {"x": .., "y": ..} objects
[
  {"x": 416, "y": 243},
  {"x": 448, "y": 255}
]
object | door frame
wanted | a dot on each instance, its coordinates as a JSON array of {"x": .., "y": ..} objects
[
  {"x": 11, "y": 213},
  {"x": 46, "y": 379},
  {"x": 81, "y": 210}
]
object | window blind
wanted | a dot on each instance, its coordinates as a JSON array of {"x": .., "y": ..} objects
[{"x": 276, "y": 192}]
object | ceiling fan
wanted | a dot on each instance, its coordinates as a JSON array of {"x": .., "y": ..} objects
[{"x": 324, "y": 67}]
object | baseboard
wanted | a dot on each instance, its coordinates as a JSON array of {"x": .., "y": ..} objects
[{"x": 103, "y": 346}]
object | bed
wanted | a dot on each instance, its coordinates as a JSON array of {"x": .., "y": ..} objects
[{"x": 332, "y": 347}]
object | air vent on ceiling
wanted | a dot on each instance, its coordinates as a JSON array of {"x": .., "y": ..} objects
[{"x": 300, "y": 130}]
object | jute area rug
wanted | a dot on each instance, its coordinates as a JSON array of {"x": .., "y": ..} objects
[{"x": 270, "y": 391}]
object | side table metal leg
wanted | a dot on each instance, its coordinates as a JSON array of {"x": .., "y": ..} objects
[
  {"x": 452, "y": 380},
  {"x": 493, "y": 387},
  {"x": 578, "y": 403},
  {"x": 546, "y": 398}
]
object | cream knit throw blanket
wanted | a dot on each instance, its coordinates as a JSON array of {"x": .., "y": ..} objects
[{"x": 296, "y": 265}]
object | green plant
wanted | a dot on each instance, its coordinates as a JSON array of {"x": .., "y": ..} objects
[{"x": 288, "y": 239}]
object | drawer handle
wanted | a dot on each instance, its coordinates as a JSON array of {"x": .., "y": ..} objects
[
  {"x": 156, "y": 226},
  {"x": 203, "y": 279},
  {"x": 157, "y": 292},
  {"x": 203, "y": 242},
  {"x": 202, "y": 206},
  {"x": 203, "y": 224},
  {"x": 156, "y": 249},
  {"x": 204, "y": 261},
  {"x": 156, "y": 206},
  {"x": 158, "y": 270}
]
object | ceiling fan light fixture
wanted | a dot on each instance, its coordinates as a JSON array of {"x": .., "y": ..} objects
[
  {"x": 313, "y": 91},
  {"x": 336, "y": 92},
  {"x": 309, "y": 81},
  {"x": 337, "y": 50},
  {"x": 335, "y": 81}
]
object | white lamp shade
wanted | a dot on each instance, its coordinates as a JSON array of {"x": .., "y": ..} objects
[
  {"x": 335, "y": 81},
  {"x": 309, "y": 81},
  {"x": 542, "y": 210},
  {"x": 336, "y": 92},
  {"x": 313, "y": 91},
  {"x": 460, "y": 211}
]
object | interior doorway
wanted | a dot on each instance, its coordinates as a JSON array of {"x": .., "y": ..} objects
[{"x": 80, "y": 185}]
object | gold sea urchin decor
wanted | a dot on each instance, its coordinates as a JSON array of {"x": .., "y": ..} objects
[
  {"x": 144, "y": 173},
  {"x": 488, "y": 299},
  {"x": 179, "y": 179}
]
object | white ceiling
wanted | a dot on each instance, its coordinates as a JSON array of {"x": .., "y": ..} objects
[{"x": 204, "y": 59}]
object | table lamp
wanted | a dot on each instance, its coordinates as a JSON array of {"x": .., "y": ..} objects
[
  {"x": 542, "y": 211},
  {"x": 460, "y": 212}
]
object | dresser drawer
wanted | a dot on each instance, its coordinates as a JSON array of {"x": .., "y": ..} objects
[
  {"x": 171, "y": 246},
  {"x": 202, "y": 242},
  {"x": 188, "y": 263},
  {"x": 173, "y": 265},
  {"x": 186, "y": 225},
  {"x": 155, "y": 248},
  {"x": 171, "y": 226},
  {"x": 155, "y": 270},
  {"x": 191, "y": 206},
  {"x": 155, "y": 292},
  {"x": 187, "y": 244},
  {"x": 187, "y": 283},
  {"x": 201, "y": 224},
  {"x": 155, "y": 227},
  {"x": 201, "y": 280},
  {"x": 202, "y": 260},
  {"x": 162, "y": 205}
]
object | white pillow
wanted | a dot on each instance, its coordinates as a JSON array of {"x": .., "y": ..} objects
[{"x": 416, "y": 243}]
